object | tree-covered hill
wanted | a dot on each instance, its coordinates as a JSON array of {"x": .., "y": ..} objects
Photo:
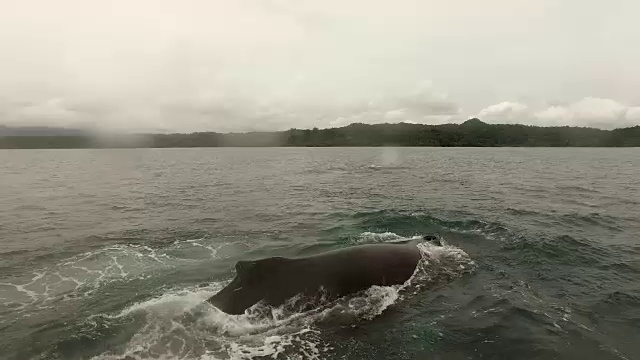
[{"x": 471, "y": 133}]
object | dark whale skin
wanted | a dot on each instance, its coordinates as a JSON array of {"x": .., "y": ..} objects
[{"x": 338, "y": 272}]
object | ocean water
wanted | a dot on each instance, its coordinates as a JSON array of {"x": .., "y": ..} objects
[{"x": 111, "y": 254}]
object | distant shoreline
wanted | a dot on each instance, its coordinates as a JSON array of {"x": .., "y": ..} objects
[
  {"x": 320, "y": 147},
  {"x": 471, "y": 133}
]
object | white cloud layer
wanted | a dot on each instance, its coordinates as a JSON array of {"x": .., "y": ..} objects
[
  {"x": 182, "y": 65},
  {"x": 588, "y": 112},
  {"x": 241, "y": 114},
  {"x": 219, "y": 113}
]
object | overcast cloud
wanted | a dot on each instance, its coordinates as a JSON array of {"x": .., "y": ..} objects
[{"x": 237, "y": 65}]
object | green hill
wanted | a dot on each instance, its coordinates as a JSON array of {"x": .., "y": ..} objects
[{"x": 471, "y": 133}]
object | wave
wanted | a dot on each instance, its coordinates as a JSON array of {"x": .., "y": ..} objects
[
  {"x": 528, "y": 246},
  {"x": 350, "y": 226},
  {"x": 538, "y": 246},
  {"x": 181, "y": 323},
  {"x": 176, "y": 322},
  {"x": 387, "y": 167},
  {"x": 591, "y": 219},
  {"x": 81, "y": 276},
  {"x": 372, "y": 237},
  {"x": 577, "y": 188}
]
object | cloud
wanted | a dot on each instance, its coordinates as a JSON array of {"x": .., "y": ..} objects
[
  {"x": 53, "y": 112},
  {"x": 505, "y": 112},
  {"x": 247, "y": 64},
  {"x": 426, "y": 100},
  {"x": 592, "y": 112},
  {"x": 633, "y": 114},
  {"x": 220, "y": 112},
  {"x": 424, "y": 105},
  {"x": 394, "y": 115},
  {"x": 589, "y": 112},
  {"x": 226, "y": 112}
]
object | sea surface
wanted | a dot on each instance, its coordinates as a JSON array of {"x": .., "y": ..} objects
[{"x": 111, "y": 254}]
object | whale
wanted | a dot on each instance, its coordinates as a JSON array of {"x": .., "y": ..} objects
[{"x": 333, "y": 274}]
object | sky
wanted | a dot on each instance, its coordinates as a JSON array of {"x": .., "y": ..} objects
[{"x": 244, "y": 65}]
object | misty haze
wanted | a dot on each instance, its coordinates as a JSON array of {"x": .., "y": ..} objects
[{"x": 279, "y": 179}]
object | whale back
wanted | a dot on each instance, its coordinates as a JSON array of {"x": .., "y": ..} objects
[
  {"x": 257, "y": 271},
  {"x": 338, "y": 272}
]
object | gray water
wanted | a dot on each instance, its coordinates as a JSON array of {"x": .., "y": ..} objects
[{"x": 110, "y": 254}]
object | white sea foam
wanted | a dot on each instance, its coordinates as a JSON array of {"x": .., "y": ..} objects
[
  {"x": 82, "y": 275},
  {"x": 372, "y": 237},
  {"x": 182, "y": 325}
]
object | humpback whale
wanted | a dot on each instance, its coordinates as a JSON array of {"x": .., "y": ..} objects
[{"x": 335, "y": 273}]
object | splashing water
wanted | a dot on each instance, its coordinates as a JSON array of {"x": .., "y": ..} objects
[
  {"x": 81, "y": 276},
  {"x": 181, "y": 324},
  {"x": 371, "y": 237}
]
